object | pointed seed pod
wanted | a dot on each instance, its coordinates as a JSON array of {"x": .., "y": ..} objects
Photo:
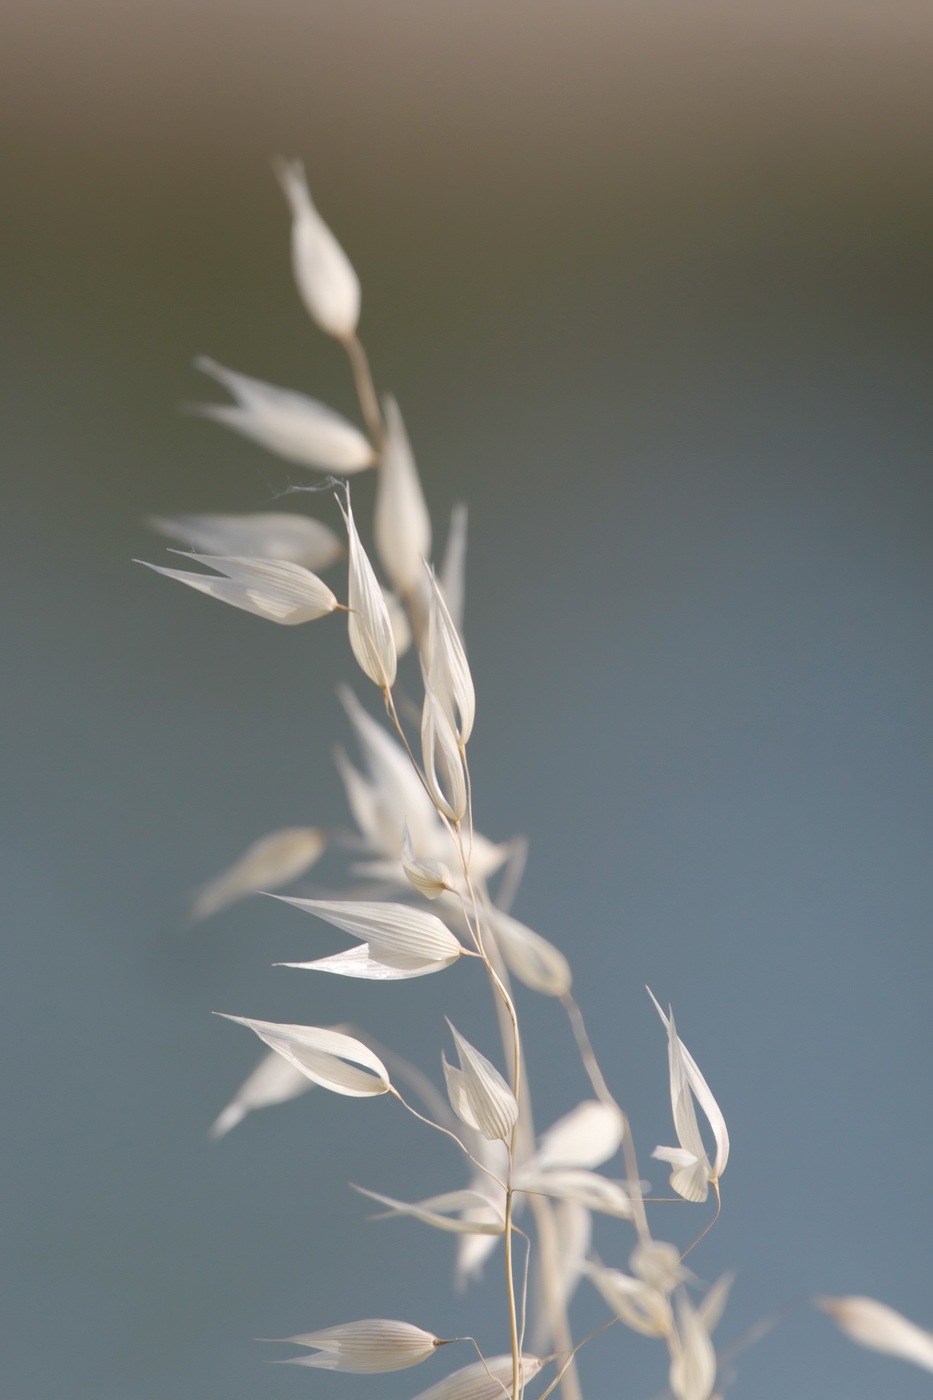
[
  {"x": 478, "y": 1094},
  {"x": 585, "y": 1137},
  {"x": 370, "y": 626},
  {"x": 692, "y": 1169},
  {"x": 483, "y": 1380},
  {"x": 445, "y": 665},
  {"x": 261, "y": 535},
  {"x": 274, "y": 589},
  {"x": 642, "y": 1308},
  {"x": 693, "y": 1358},
  {"x": 292, "y": 425},
  {"x": 402, "y": 526},
  {"x": 529, "y": 957},
  {"x": 443, "y": 762},
  {"x": 429, "y": 877},
  {"x": 399, "y": 941},
  {"x": 273, "y": 1081},
  {"x": 875, "y": 1325},
  {"x": 327, "y": 284},
  {"x": 335, "y": 1061},
  {"x": 365, "y": 1348},
  {"x": 271, "y": 861},
  {"x": 478, "y": 1216}
]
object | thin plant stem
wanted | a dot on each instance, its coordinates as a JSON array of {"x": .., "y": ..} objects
[
  {"x": 571, "y": 1358},
  {"x": 447, "y": 1133},
  {"x": 365, "y": 389},
  {"x": 709, "y": 1227},
  {"x": 510, "y": 1287},
  {"x": 485, "y": 1362}
]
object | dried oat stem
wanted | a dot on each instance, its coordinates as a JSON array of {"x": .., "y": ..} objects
[
  {"x": 447, "y": 1133},
  {"x": 365, "y": 389}
]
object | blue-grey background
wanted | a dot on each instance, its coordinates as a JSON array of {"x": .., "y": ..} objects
[{"x": 652, "y": 284}]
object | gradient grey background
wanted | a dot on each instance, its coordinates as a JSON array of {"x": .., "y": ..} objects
[{"x": 652, "y": 284}]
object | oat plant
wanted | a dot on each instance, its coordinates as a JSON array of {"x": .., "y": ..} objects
[{"x": 521, "y": 1206}]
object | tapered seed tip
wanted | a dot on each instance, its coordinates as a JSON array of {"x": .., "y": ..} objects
[{"x": 289, "y": 171}]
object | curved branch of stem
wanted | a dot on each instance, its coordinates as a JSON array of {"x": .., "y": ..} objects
[
  {"x": 447, "y": 1133},
  {"x": 365, "y": 389}
]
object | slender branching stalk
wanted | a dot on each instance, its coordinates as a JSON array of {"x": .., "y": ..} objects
[{"x": 416, "y": 828}]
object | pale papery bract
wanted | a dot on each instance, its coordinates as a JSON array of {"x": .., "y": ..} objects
[
  {"x": 274, "y": 589},
  {"x": 371, "y": 634},
  {"x": 260, "y": 535},
  {"x": 330, "y": 1058},
  {"x": 273, "y": 860},
  {"x": 881, "y": 1328},
  {"x": 326, "y": 281},
  {"x": 478, "y": 1093},
  {"x": 273, "y": 1081},
  {"x": 692, "y": 1374},
  {"x": 291, "y": 425},
  {"x": 693, "y": 1170},
  {"x": 402, "y": 526},
  {"x": 370, "y": 1347}
]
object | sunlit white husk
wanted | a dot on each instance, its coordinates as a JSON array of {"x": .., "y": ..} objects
[
  {"x": 639, "y": 1306},
  {"x": 273, "y": 1081},
  {"x": 466, "y": 1212},
  {"x": 693, "y": 1358},
  {"x": 484, "y": 857},
  {"x": 429, "y": 877},
  {"x": 397, "y": 796},
  {"x": 483, "y": 1380},
  {"x": 262, "y": 535},
  {"x": 443, "y": 764},
  {"x": 478, "y": 1093},
  {"x": 329, "y": 1058},
  {"x": 371, "y": 635},
  {"x": 473, "y": 1249},
  {"x": 573, "y": 1231},
  {"x": 445, "y": 665},
  {"x": 875, "y": 1325},
  {"x": 402, "y": 526},
  {"x": 398, "y": 941},
  {"x": 574, "y": 1234},
  {"x": 326, "y": 282},
  {"x": 529, "y": 957},
  {"x": 275, "y": 589},
  {"x": 369, "y": 811},
  {"x": 587, "y": 1136},
  {"x": 288, "y": 423},
  {"x": 372, "y": 965},
  {"x": 401, "y": 628},
  {"x": 392, "y": 796},
  {"x": 692, "y": 1169},
  {"x": 658, "y": 1264},
  {"x": 271, "y": 861},
  {"x": 713, "y": 1303},
  {"x": 366, "y": 1348}
]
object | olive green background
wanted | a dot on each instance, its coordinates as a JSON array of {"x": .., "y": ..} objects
[{"x": 652, "y": 285}]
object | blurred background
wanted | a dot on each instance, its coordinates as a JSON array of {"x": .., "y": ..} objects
[{"x": 652, "y": 284}]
